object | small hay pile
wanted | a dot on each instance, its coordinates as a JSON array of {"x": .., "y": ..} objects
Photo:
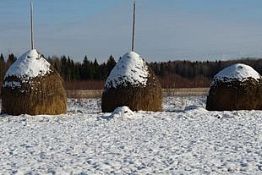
[
  {"x": 32, "y": 86},
  {"x": 237, "y": 87},
  {"x": 132, "y": 83}
]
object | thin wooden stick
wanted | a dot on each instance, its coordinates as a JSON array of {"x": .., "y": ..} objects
[
  {"x": 134, "y": 23},
  {"x": 32, "y": 25}
]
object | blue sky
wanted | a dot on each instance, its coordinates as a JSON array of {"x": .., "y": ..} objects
[{"x": 166, "y": 29}]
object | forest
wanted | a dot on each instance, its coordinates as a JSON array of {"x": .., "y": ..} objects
[{"x": 89, "y": 74}]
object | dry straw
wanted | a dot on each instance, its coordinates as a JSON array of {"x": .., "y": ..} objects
[
  {"x": 235, "y": 95},
  {"x": 146, "y": 98},
  {"x": 41, "y": 95}
]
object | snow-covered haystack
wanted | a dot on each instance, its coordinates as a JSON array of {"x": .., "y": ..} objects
[
  {"x": 237, "y": 87},
  {"x": 132, "y": 83},
  {"x": 32, "y": 86}
]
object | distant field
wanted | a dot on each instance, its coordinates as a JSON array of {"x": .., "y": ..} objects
[
  {"x": 166, "y": 92},
  {"x": 84, "y": 93},
  {"x": 186, "y": 92}
]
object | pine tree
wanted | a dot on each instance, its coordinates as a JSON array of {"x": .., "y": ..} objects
[
  {"x": 96, "y": 70},
  {"x": 85, "y": 70},
  {"x": 2, "y": 67},
  {"x": 11, "y": 59},
  {"x": 110, "y": 64}
]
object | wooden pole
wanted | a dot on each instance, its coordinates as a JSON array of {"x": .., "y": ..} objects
[
  {"x": 134, "y": 23},
  {"x": 32, "y": 25}
]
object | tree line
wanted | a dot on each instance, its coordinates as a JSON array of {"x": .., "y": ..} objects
[
  {"x": 196, "y": 73},
  {"x": 87, "y": 70},
  {"x": 90, "y": 74}
]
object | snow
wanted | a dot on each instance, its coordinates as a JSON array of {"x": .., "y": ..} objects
[
  {"x": 240, "y": 72},
  {"x": 12, "y": 84},
  {"x": 130, "y": 69},
  {"x": 123, "y": 112},
  {"x": 183, "y": 139},
  {"x": 30, "y": 65}
]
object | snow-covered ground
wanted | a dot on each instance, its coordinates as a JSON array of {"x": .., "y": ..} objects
[{"x": 184, "y": 139}]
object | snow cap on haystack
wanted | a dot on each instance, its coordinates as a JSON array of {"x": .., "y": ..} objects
[
  {"x": 237, "y": 87},
  {"x": 132, "y": 83},
  {"x": 32, "y": 86},
  {"x": 131, "y": 69},
  {"x": 30, "y": 65},
  {"x": 239, "y": 72}
]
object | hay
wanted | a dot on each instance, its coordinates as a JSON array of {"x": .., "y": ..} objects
[
  {"x": 235, "y": 95},
  {"x": 146, "y": 98},
  {"x": 40, "y": 95},
  {"x": 32, "y": 86}
]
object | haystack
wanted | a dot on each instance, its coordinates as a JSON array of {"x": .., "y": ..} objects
[
  {"x": 32, "y": 86},
  {"x": 132, "y": 83},
  {"x": 238, "y": 87}
]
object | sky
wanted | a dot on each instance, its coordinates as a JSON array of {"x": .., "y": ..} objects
[{"x": 165, "y": 29}]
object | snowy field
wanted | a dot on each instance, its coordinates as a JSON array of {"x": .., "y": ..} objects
[{"x": 184, "y": 139}]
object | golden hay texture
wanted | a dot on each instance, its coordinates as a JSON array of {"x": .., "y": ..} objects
[
  {"x": 235, "y": 95},
  {"x": 148, "y": 98},
  {"x": 41, "y": 95}
]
